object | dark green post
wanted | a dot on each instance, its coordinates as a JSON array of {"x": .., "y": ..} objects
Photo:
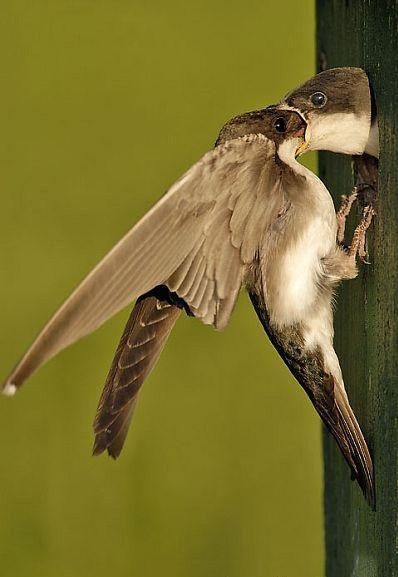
[{"x": 360, "y": 542}]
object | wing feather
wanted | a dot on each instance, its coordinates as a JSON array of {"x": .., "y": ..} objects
[
  {"x": 143, "y": 339},
  {"x": 190, "y": 241}
]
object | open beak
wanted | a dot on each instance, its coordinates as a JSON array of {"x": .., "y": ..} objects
[
  {"x": 304, "y": 145},
  {"x": 302, "y": 148}
]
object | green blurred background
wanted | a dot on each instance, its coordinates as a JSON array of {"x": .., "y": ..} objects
[{"x": 104, "y": 103}]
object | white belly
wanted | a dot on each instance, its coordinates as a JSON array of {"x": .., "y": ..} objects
[{"x": 294, "y": 288}]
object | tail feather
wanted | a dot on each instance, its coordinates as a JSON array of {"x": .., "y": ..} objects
[{"x": 357, "y": 456}]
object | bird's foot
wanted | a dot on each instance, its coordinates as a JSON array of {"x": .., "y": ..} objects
[
  {"x": 343, "y": 212},
  {"x": 358, "y": 244},
  {"x": 366, "y": 194}
]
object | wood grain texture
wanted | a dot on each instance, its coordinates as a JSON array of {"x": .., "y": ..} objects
[{"x": 360, "y": 542}]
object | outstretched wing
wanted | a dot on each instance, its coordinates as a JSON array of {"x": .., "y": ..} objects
[
  {"x": 197, "y": 240},
  {"x": 328, "y": 397}
]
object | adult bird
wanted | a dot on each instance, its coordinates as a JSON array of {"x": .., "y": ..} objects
[{"x": 246, "y": 214}]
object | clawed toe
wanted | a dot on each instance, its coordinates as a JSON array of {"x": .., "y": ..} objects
[
  {"x": 343, "y": 212},
  {"x": 358, "y": 244}
]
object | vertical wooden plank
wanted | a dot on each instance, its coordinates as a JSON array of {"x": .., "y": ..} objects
[{"x": 360, "y": 542}]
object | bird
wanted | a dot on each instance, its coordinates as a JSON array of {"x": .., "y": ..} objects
[
  {"x": 246, "y": 214},
  {"x": 339, "y": 108}
]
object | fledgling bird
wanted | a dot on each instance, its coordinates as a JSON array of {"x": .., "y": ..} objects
[
  {"x": 246, "y": 214},
  {"x": 337, "y": 107},
  {"x": 340, "y": 113}
]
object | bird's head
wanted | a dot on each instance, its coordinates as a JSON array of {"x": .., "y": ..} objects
[
  {"x": 280, "y": 126},
  {"x": 336, "y": 104}
]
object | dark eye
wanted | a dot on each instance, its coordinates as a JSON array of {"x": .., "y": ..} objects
[
  {"x": 280, "y": 125},
  {"x": 319, "y": 99}
]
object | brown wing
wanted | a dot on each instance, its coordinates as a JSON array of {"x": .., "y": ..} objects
[
  {"x": 327, "y": 396},
  {"x": 143, "y": 339},
  {"x": 198, "y": 240}
]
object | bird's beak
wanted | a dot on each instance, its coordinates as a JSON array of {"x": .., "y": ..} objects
[
  {"x": 304, "y": 145},
  {"x": 302, "y": 148}
]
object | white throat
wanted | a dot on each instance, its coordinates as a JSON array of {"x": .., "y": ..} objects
[
  {"x": 343, "y": 132},
  {"x": 287, "y": 151}
]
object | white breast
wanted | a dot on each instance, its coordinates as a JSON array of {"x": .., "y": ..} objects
[
  {"x": 299, "y": 269},
  {"x": 291, "y": 274}
]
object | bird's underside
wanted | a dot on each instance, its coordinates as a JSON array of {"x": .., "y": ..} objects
[{"x": 328, "y": 398}]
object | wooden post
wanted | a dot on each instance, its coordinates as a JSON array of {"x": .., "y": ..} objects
[{"x": 360, "y": 542}]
